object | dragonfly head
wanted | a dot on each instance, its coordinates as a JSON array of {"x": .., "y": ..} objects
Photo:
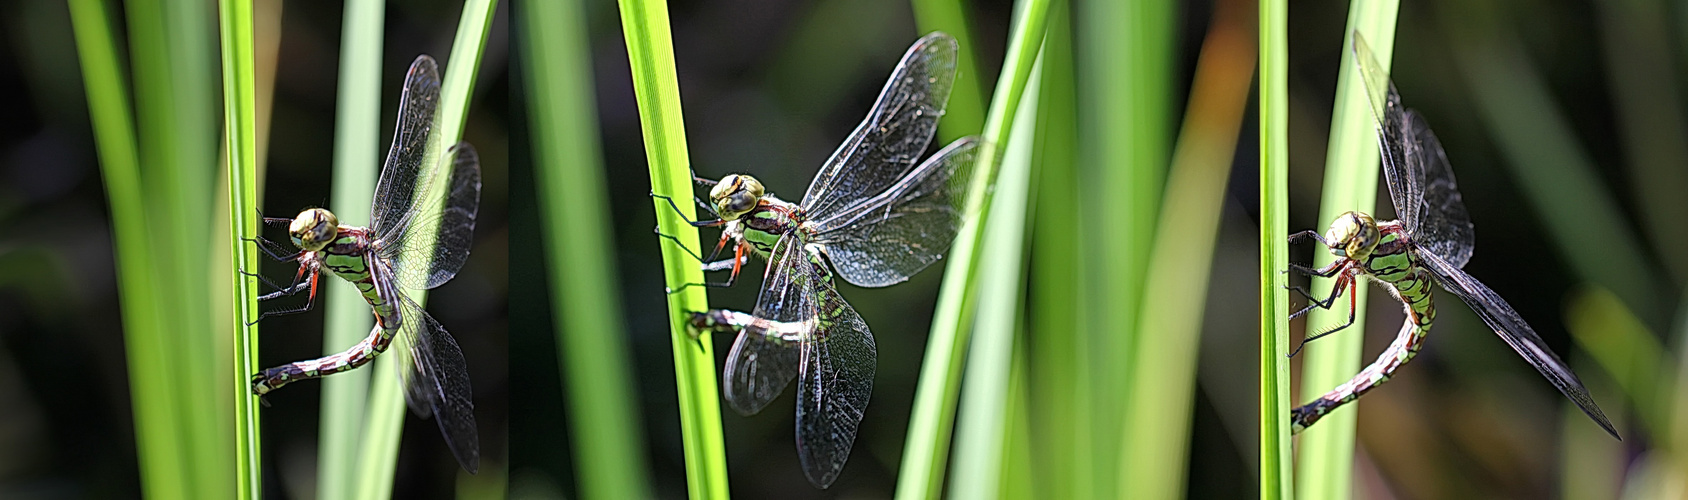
[
  {"x": 1353, "y": 235},
  {"x": 735, "y": 195},
  {"x": 313, "y": 229}
]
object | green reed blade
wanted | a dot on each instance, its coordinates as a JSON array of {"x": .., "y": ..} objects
[
  {"x": 650, "y": 49},
  {"x": 357, "y": 155},
  {"x": 965, "y": 113},
  {"x": 1275, "y": 479},
  {"x": 592, "y": 344},
  {"x": 1326, "y": 463},
  {"x": 926, "y": 451},
  {"x": 239, "y": 121}
]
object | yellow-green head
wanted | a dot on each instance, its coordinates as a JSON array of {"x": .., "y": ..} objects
[
  {"x": 735, "y": 195},
  {"x": 1353, "y": 235},
  {"x": 313, "y": 229}
]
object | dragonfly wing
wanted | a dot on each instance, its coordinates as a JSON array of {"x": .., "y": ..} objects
[
  {"x": 1518, "y": 334},
  {"x": 883, "y": 240},
  {"x": 766, "y": 357},
  {"x": 1443, "y": 224},
  {"x": 437, "y": 383},
  {"x": 421, "y": 261},
  {"x": 1392, "y": 130},
  {"x": 896, "y": 131},
  {"x": 1421, "y": 184},
  {"x": 838, "y": 368},
  {"x": 394, "y": 192}
]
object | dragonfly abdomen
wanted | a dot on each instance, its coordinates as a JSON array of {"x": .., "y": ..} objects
[
  {"x": 358, "y": 355},
  {"x": 1412, "y": 286}
]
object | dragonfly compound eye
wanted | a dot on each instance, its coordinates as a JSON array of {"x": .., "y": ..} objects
[
  {"x": 735, "y": 195},
  {"x": 313, "y": 229},
  {"x": 1353, "y": 235}
]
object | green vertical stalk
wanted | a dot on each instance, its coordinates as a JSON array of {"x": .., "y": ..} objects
[
  {"x": 239, "y": 122},
  {"x": 1125, "y": 68},
  {"x": 650, "y": 49},
  {"x": 1351, "y": 170},
  {"x": 385, "y": 414},
  {"x": 357, "y": 153},
  {"x": 984, "y": 432},
  {"x": 1058, "y": 364},
  {"x": 592, "y": 344},
  {"x": 1275, "y": 479},
  {"x": 965, "y": 113},
  {"x": 1161, "y": 385},
  {"x": 161, "y": 457},
  {"x": 926, "y": 451}
]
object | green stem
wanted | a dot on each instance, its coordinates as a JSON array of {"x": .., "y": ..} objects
[
  {"x": 161, "y": 458},
  {"x": 1275, "y": 478},
  {"x": 926, "y": 452},
  {"x": 357, "y": 149},
  {"x": 240, "y": 121},
  {"x": 592, "y": 344},
  {"x": 385, "y": 415},
  {"x": 650, "y": 50},
  {"x": 1326, "y": 466}
]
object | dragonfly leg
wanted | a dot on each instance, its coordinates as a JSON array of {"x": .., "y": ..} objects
[
  {"x": 275, "y": 250},
  {"x": 297, "y": 286},
  {"x": 1308, "y": 234},
  {"x": 694, "y": 223},
  {"x": 309, "y": 300},
  {"x": 1347, "y": 281},
  {"x": 708, "y": 266}
]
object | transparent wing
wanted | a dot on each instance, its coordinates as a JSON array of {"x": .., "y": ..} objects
[
  {"x": 423, "y": 262},
  {"x": 1443, "y": 224},
  {"x": 1421, "y": 184},
  {"x": 834, "y": 358},
  {"x": 837, "y": 382},
  {"x": 1518, "y": 334},
  {"x": 885, "y": 239},
  {"x": 415, "y": 123},
  {"x": 436, "y": 382},
  {"x": 896, "y": 131}
]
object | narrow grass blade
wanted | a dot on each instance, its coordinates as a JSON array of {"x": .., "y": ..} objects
[
  {"x": 592, "y": 344},
  {"x": 1126, "y": 72},
  {"x": 650, "y": 48},
  {"x": 965, "y": 113},
  {"x": 239, "y": 120},
  {"x": 1275, "y": 479},
  {"x": 1058, "y": 361},
  {"x": 1325, "y": 469},
  {"x": 984, "y": 409},
  {"x": 1161, "y": 385},
  {"x": 926, "y": 451},
  {"x": 1629, "y": 353},
  {"x": 357, "y": 154},
  {"x": 385, "y": 414},
  {"x": 161, "y": 459}
]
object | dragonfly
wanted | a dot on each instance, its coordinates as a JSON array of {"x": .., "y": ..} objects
[
  {"x": 872, "y": 216},
  {"x": 397, "y": 252},
  {"x": 1429, "y": 244}
]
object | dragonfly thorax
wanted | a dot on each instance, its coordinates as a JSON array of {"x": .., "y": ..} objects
[
  {"x": 735, "y": 195},
  {"x": 1353, "y": 235},
  {"x": 313, "y": 229}
]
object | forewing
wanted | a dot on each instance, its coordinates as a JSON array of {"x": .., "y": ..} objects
[
  {"x": 394, "y": 198},
  {"x": 885, "y": 239},
  {"x": 1518, "y": 334},
  {"x": 423, "y": 262},
  {"x": 1443, "y": 224},
  {"x": 1393, "y": 138},
  {"x": 763, "y": 361},
  {"x": 896, "y": 131},
  {"x": 437, "y": 383}
]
